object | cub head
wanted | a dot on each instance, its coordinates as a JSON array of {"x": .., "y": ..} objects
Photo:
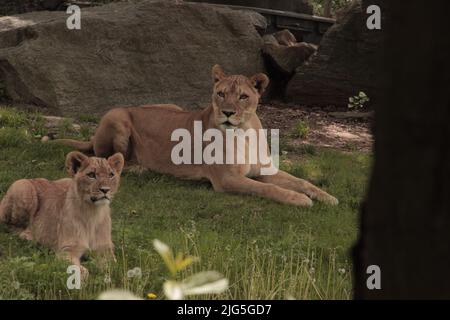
[
  {"x": 235, "y": 97},
  {"x": 97, "y": 179}
]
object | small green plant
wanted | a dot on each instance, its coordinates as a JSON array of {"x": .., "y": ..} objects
[
  {"x": 37, "y": 125},
  {"x": 86, "y": 132},
  {"x": 12, "y": 137},
  {"x": 302, "y": 129},
  {"x": 65, "y": 128},
  {"x": 12, "y": 118},
  {"x": 206, "y": 282},
  {"x": 88, "y": 118},
  {"x": 358, "y": 102}
]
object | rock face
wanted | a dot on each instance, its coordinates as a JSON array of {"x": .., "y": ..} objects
[
  {"x": 9, "y": 7},
  {"x": 124, "y": 54},
  {"x": 299, "y": 6},
  {"x": 343, "y": 66},
  {"x": 283, "y": 55}
]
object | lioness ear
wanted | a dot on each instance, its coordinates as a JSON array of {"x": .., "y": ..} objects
[
  {"x": 217, "y": 73},
  {"x": 74, "y": 161},
  {"x": 260, "y": 82},
  {"x": 117, "y": 162}
]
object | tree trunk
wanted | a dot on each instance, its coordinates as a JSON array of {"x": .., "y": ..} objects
[{"x": 405, "y": 220}]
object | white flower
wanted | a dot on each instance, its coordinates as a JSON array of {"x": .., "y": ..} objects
[
  {"x": 16, "y": 285},
  {"x": 173, "y": 290},
  {"x": 118, "y": 295},
  {"x": 200, "y": 283},
  {"x": 107, "y": 279},
  {"x": 137, "y": 272},
  {"x": 162, "y": 248},
  {"x": 341, "y": 270}
]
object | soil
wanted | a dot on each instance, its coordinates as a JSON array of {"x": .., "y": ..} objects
[
  {"x": 323, "y": 130},
  {"x": 348, "y": 134}
]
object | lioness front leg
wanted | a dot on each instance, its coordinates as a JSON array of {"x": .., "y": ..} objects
[
  {"x": 73, "y": 255},
  {"x": 105, "y": 256},
  {"x": 287, "y": 181},
  {"x": 242, "y": 184}
]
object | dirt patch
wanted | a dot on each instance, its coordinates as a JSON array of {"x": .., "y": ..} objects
[{"x": 321, "y": 129}]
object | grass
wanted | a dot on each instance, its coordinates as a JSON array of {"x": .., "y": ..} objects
[
  {"x": 267, "y": 250},
  {"x": 301, "y": 129}
]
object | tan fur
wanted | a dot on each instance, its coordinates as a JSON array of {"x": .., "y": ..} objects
[
  {"x": 144, "y": 134},
  {"x": 68, "y": 215}
]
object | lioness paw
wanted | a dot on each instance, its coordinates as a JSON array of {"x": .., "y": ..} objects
[
  {"x": 328, "y": 199},
  {"x": 299, "y": 199},
  {"x": 84, "y": 273}
]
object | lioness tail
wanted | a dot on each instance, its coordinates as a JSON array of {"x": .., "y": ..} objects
[{"x": 83, "y": 146}]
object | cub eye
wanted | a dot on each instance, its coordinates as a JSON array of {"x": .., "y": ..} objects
[
  {"x": 91, "y": 175},
  {"x": 221, "y": 94},
  {"x": 111, "y": 175},
  {"x": 243, "y": 97}
]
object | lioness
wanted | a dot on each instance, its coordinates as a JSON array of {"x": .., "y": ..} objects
[
  {"x": 144, "y": 134},
  {"x": 70, "y": 216}
]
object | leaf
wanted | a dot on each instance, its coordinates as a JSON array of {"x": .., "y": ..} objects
[
  {"x": 184, "y": 263},
  {"x": 117, "y": 294},
  {"x": 166, "y": 254},
  {"x": 204, "y": 283},
  {"x": 173, "y": 290}
]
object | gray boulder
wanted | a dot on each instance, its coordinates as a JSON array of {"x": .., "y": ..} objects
[
  {"x": 286, "y": 59},
  {"x": 125, "y": 54},
  {"x": 344, "y": 64}
]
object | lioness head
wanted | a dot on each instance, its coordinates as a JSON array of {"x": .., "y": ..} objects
[
  {"x": 235, "y": 97},
  {"x": 97, "y": 179}
]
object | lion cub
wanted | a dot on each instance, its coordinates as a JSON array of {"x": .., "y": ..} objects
[{"x": 70, "y": 216}]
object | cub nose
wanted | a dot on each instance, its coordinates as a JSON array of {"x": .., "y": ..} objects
[
  {"x": 105, "y": 189},
  {"x": 228, "y": 113}
]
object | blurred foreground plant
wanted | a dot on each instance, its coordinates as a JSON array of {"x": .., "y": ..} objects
[{"x": 207, "y": 282}]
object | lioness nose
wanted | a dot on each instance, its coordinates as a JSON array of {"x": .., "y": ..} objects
[
  {"x": 105, "y": 189},
  {"x": 228, "y": 113}
]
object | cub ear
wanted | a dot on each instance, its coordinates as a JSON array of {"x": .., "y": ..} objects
[
  {"x": 260, "y": 81},
  {"x": 217, "y": 73},
  {"x": 74, "y": 162},
  {"x": 117, "y": 162}
]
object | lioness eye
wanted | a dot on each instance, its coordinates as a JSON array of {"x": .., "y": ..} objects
[
  {"x": 243, "y": 97},
  {"x": 111, "y": 175},
  {"x": 91, "y": 175},
  {"x": 221, "y": 94}
]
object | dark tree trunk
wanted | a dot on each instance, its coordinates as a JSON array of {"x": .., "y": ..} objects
[{"x": 405, "y": 221}]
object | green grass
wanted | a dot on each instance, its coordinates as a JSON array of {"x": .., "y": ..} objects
[
  {"x": 301, "y": 129},
  {"x": 267, "y": 250}
]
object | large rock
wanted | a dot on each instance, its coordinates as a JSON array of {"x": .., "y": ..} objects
[
  {"x": 9, "y": 7},
  {"x": 344, "y": 65},
  {"x": 284, "y": 53},
  {"x": 124, "y": 54}
]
